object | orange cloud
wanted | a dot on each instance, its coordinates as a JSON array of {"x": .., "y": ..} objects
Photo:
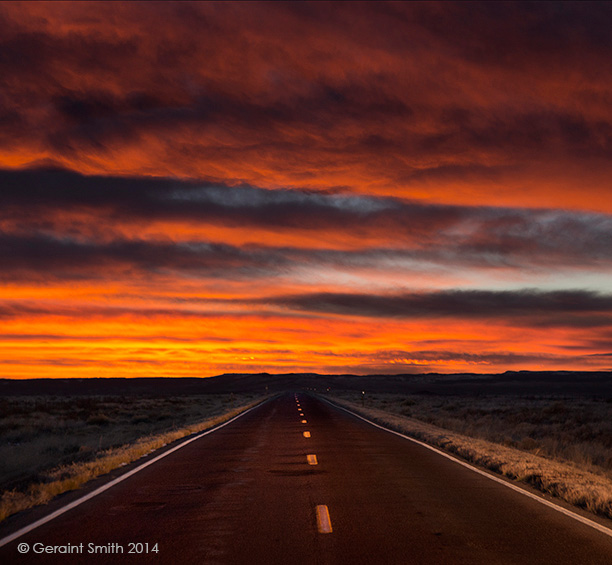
[
  {"x": 441, "y": 103},
  {"x": 196, "y": 188}
]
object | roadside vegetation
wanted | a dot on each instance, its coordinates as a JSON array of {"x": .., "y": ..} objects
[
  {"x": 51, "y": 444},
  {"x": 561, "y": 445}
]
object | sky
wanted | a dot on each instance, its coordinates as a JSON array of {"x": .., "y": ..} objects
[{"x": 190, "y": 189}]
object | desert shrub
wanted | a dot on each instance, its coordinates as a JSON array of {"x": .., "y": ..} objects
[{"x": 99, "y": 420}]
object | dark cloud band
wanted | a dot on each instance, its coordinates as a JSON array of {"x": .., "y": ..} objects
[
  {"x": 461, "y": 304},
  {"x": 412, "y": 231}
]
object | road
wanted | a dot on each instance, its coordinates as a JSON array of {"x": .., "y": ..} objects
[{"x": 251, "y": 493}]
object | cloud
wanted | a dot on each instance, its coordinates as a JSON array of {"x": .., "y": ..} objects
[
  {"x": 44, "y": 208},
  {"x": 331, "y": 158},
  {"x": 429, "y": 358},
  {"x": 151, "y": 339},
  {"x": 532, "y": 306},
  {"x": 15, "y": 310},
  {"x": 536, "y": 309},
  {"x": 39, "y": 257},
  {"x": 440, "y": 361},
  {"x": 463, "y": 102}
]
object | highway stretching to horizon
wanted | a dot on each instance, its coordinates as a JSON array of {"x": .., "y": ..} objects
[{"x": 297, "y": 480}]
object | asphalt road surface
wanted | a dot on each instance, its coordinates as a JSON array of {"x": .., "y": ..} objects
[{"x": 260, "y": 490}]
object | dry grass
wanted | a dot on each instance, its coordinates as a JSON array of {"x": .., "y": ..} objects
[
  {"x": 550, "y": 444},
  {"x": 52, "y": 445}
]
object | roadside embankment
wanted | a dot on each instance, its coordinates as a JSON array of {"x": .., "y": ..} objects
[
  {"x": 583, "y": 485},
  {"x": 116, "y": 421}
]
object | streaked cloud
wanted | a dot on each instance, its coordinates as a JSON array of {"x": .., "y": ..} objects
[
  {"x": 448, "y": 102},
  {"x": 91, "y": 219},
  {"x": 196, "y": 188},
  {"x": 536, "y": 306}
]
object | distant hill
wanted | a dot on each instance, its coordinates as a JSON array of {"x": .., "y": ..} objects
[{"x": 511, "y": 382}]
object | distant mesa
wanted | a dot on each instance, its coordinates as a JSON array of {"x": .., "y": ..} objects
[{"x": 511, "y": 382}]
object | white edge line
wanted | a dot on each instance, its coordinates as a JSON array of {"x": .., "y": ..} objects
[
  {"x": 578, "y": 517},
  {"x": 99, "y": 490}
]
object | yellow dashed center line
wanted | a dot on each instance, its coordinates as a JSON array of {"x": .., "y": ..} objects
[
  {"x": 304, "y": 421},
  {"x": 312, "y": 459},
  {"x": 323, "y": 521},
  {"x": 306, "y": 434}
]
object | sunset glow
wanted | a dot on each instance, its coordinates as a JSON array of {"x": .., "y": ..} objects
[{"x": 189, "y": 189}]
